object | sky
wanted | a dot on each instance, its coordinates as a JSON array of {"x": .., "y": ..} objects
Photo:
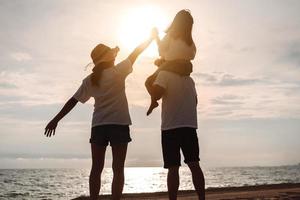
[{"x": 247, "y": 74}]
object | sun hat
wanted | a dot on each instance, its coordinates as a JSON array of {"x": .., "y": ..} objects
[{"x": 102, "y": 53}]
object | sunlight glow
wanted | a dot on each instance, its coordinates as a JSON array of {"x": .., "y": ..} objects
[{"x": 136, "y": 25}]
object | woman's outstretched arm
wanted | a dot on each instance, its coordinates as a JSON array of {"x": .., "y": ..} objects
[
  {"x": 50, "y": 128},
  {"x": 139, "y": 49}
]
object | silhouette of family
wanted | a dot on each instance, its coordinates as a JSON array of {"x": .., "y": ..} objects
[{"x": 171, "y": 82}]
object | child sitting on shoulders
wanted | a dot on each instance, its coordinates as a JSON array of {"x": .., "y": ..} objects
[{"x": 176, "y": 51}]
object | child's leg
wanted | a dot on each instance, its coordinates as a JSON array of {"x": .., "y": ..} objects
[
  {"x": 153, "y": 105},
  {"x": 149, "y": 82}
]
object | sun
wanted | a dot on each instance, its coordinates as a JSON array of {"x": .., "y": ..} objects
[{"x": 136, "y": 25}]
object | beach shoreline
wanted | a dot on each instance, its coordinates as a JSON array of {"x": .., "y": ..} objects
[{"x": 272, "y": 191}]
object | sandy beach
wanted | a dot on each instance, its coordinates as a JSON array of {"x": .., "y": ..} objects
[{"x": 266, "y": 192}]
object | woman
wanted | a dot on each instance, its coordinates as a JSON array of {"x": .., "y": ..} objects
[{"x": 111, "y": 119}]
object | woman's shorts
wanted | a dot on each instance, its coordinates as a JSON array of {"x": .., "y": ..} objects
[
  {"x": 112, "y": 134},
  {"x": 180, "y": 138}
]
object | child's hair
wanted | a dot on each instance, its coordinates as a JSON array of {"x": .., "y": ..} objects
[{"x": 181, "y": 27}]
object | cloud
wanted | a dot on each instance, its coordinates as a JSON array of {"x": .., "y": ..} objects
[
  {"x": 210, "y": 78},
  {"x": 37, "y": 87},
  {"x": 17, "y": 110},
  {"x": 223, "y": 95},
  {"x": 21, "y": 56},
  {"x": 231, "y": 80},
  {"x": 228, "y": 99},
  {"x": 7, "y": 85},
  {"x": 291, "y": 54},
  {"x": 225, "y": 79}
]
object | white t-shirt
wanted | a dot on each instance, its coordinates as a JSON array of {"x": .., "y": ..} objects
[
  {"x": 179, "y": 102},
  {"x": 174, "y": 49},
  {"x": 111, "y": 106}
]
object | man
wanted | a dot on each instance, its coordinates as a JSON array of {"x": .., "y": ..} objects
[{"x": 179, "y": 124}]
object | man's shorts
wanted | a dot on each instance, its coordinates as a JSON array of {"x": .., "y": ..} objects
[
  {"x": 110, "y": 134},
  {"x": 180, "y": 138}
]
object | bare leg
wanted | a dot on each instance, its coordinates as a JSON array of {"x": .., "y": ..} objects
[
  {"x": 119, "y": 155},
  {"x": 148, "y": 84},
  {"x": 153, "y": 105},
  {"x": 198, "y": 179},
  {"x": 173, "y": 182},
  {"x": 98, "y": 155}
]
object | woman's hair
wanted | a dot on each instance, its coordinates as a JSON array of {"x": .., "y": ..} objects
[
  {"x": 97, "y": 71},
  {"x": 95, "y": 76},
  {"x": 181, "y": 27}
]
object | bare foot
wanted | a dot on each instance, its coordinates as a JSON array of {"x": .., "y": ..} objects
[
  {"x": 158, "y": 62},
  {"x": 153, "y": 105}
]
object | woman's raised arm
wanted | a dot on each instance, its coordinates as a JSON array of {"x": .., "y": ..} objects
[{"x": 139, "y": 49}]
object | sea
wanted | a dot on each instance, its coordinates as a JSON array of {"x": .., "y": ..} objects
[{"x": 17, "y": 184}]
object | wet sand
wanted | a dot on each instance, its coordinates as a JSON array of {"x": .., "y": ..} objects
[{"x": 261, "y": 192}]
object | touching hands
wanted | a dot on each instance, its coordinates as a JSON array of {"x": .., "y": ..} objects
[
  {"x": 154, "y": 33},
  {"x": 139, "y": 49},
  {"x": 50, "y": 128}
]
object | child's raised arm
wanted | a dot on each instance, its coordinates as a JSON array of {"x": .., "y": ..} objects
[
  {"x": 156, "y": 36},
  {"x": 163, "y": 44}
]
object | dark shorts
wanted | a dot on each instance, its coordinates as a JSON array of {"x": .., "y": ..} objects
[
  {"x": 112, "y": 134},
  {"x": 180, "y": 138}
]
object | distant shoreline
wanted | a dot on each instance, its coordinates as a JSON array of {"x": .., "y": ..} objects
[{"x": 286, "y": 190}]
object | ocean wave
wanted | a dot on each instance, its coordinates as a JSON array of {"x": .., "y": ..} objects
[{"x": 62, "y": 184}]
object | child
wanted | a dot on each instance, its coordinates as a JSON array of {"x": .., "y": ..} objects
[{"x": 176, "y": 49}]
